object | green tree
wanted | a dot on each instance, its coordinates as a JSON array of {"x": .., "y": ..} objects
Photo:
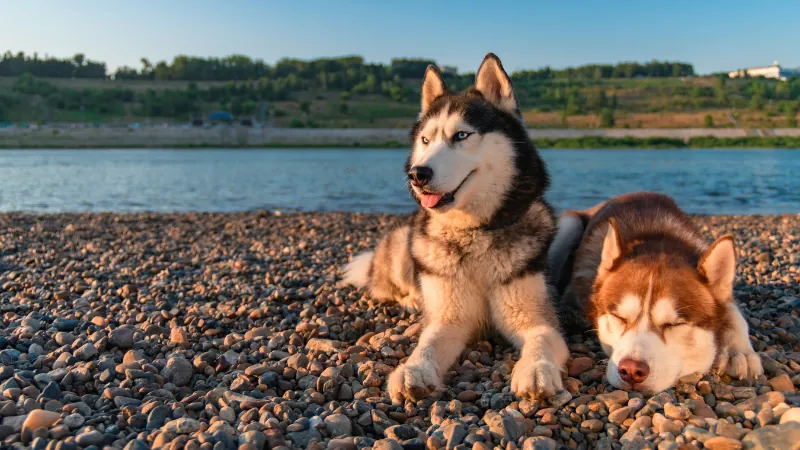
[
  {"x": 606, "y": 118},
  {"x": 237, "y": 107},
  {"x": 305, "y": 107},
  {"x": 791, "y": 115},
  {"x": 756, "y": 103},
  {"x": 708, "y": 121},
  {"x": 343, "y": 108}
]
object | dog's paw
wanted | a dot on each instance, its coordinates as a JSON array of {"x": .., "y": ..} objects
[
  {"x": 413, "y": 381},
  {"x": 531, "y": 379},
  {"x": 738, "y": 364}
]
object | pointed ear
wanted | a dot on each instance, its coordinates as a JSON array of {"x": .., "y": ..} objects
[
  {"x": 612, "y": 246},
  {"x": 432, "y": 87},
  {"x": 718, "y": 266},
  {"x": 495, "y": 85}
]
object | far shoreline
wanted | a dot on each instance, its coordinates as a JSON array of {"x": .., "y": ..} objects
[{"x": 266, "y": 138}]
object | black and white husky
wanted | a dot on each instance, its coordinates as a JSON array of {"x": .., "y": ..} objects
[{"x": 474, "y": 254}]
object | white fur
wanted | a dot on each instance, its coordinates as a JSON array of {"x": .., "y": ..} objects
[
  {"x": 630, "y": 307},
  {"x": 664, "y": 312},
  {"x": 356, "y": 272},
  {"x": 736, "y": 357}
]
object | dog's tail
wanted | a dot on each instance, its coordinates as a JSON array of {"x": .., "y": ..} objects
[
  {"x": 560, "y": 255},
  {"x": 387, "y": 273},
  {"x": 357, "y": 272}
]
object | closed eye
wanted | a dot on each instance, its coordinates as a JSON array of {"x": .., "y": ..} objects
[
  {"x": 460, "y": 136},
  {"x": 625, "y": 322},
  {"x": 671, "y": 325}
]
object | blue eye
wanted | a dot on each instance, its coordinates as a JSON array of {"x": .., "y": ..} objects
[{"x": 460, "y": 136}]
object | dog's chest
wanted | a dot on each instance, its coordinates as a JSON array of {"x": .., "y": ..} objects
[{"x": 475, "y": 256}]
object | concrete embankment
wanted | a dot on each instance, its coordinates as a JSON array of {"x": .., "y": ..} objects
[{"x": 154, "y": 137}]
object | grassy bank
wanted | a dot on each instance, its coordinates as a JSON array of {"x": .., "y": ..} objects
[{"x": 587, "y": 142}]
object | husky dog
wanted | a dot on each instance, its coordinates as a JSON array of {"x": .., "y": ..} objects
[
  {"x": 473, "y": 256},
  {"x": 659, "y": 297}
]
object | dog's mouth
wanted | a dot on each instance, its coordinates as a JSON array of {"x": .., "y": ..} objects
[{"x": 435, "y": 200}]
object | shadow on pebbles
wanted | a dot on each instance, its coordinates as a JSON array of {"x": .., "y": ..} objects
[{"x": 226, "y": 331}]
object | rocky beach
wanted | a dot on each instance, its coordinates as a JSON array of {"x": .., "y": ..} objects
[{"x": 228, "y": 331}]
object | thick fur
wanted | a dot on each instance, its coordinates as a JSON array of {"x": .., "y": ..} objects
[
  {"x": 476, "y": 260},
  {"x": 653, "y": 289}
]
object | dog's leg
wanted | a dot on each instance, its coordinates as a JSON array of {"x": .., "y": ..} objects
[
  {"x": 522, "y": 311},
  {"x": 736, "y": 356},
  {"x": 451, "y": 320}
]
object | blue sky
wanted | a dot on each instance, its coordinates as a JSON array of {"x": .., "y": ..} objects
[{"x": 712, "y": 35}]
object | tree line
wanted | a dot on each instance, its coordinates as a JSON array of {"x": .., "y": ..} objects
[
  {"x": 76, "y": 67},
  {"x": 328, "y": 72}
]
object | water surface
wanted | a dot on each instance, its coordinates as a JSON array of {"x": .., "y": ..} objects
[{"x": 371, "y": 180}]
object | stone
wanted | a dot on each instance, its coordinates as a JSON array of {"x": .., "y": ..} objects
[
  {"x": 619, "y": 415},
  {"x": 324, "y": 345},
  {"x": 579, "y": 365},
  {"x": 301, "y": 439},
  {"x": 86, "y": 351},
  {"x": 253, "y": 438},
  {"x": 121, "y": 337},
  {"x": 178, "y": 371},
  {"x": 539, "y": 443},
  {"x": 52, "y": 391},
  {"x": 773, "y": 398},
  {"x": 454, "y": 434},
  {"x": 184, "y": 425},
  {"x": 613, "y": 398},
  {"x": 38, "y": 418},
  {"x": 157, "y": 417},
  {"x": 678, "y": 412},
  {"x": 339, "y": 425},
  {"x": 179, "y": 337},
  {"x": 783, "y": 436},
  {"x": 729, "y": 430},
  {"x": 136, "y": 444},
  {"x": 591, "y": 425},
  {"x": 88, "y": 438},
  {"x": 722, "y": 443},
  {"x": 791, "y": 415},
  {"x": 782, "y": 383},
  {"x": 256, "y": 333}
]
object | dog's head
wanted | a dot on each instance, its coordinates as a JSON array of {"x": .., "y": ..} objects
[
  {"x": 471, "y": 158},
  {"x": 660, "y": 308}
]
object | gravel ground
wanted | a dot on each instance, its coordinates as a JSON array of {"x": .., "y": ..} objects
[{"x": 225, "y": 331}]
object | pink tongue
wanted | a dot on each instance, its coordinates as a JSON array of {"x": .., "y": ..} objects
[{"x": 430, "y": 200}]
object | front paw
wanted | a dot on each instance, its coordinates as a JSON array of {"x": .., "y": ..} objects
[
  {"x": 738, "y": 364},
  {"x": 531, "y": 379},
  {"x": 413, "y": 381}
]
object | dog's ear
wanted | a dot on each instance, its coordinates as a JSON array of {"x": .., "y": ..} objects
[
  {"x": 612, "y": 246},
  {"x": 718, "y": 266},
  {"x": 433, "y": 87},
  {"x": 494, "y": 84}
]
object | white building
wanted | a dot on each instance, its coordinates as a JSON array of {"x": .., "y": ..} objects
[{"x": 773, "y": 71}]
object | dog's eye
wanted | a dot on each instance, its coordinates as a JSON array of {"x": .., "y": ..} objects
[
  {"x": 625, "y": 322},
  {"x": 424, "y": 140},
  {"x": 668, "y": 326},
  {"x": 460, "y": 136}
]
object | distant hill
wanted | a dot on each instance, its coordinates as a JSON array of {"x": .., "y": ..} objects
[{"x": 349, "y": 92}]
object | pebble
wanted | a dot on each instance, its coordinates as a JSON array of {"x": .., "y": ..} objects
[{"x": 227, "y": 331}]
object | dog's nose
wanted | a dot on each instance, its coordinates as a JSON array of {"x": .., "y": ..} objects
[
  {"x": 420, "y": 175},
  {"x": 632, "y": 371}
]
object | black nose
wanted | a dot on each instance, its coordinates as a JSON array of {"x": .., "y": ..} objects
[{"x": 420, "y": 175}]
